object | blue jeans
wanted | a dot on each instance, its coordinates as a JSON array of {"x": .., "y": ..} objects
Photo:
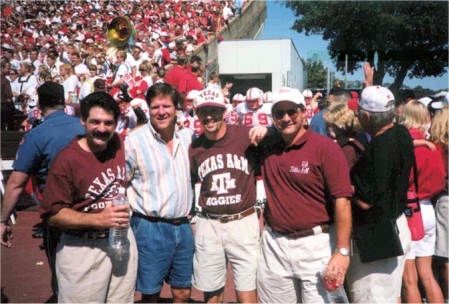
[{"x": 165, "y": 253}]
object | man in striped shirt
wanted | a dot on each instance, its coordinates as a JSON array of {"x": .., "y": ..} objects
[{"x": 160, "y": 194}]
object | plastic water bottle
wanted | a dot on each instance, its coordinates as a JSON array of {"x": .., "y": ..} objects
[
  {"x": 118, "y": 236},
  {"x": 336, "y": 294}
]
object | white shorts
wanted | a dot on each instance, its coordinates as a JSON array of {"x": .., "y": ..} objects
[
  {"x": 426, "y": 246},
  {"x": 289, "y": 269},
  {"x": 217, "y": 243},
  {"x": 442, "y": 220},
  {"x": 379, "y": 281}
]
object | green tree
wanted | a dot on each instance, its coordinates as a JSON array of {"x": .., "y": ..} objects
[
  {"x": 316, "y": 74},
  {"x": 421, "y": 92},
  {"x": 409, "y": 38}
]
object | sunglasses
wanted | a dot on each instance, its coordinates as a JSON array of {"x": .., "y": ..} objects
[
  {"x": 92, "y": 70},
  {"x": 141, "y": 70},
  {"x": 280, "y": 113},
  {"x": 12, "y": 74}
]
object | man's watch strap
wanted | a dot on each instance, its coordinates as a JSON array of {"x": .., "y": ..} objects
[{"x": 343, "y": 251}]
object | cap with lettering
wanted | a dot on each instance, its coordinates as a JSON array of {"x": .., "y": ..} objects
[
  {"x": 210, "y": 98},
  {"x": 288, "y": 94}
]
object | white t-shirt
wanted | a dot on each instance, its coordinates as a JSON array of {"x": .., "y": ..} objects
[
  {"x": 70, "y": 85},
  {"x": 26, "y": 82},
  {"x": 121, "y": 71},
  {"x": 81, "y": 69},
  {"x": 87, "y": 87}
]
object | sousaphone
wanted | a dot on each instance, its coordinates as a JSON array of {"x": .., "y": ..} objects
[{"x": 121, "y": 33}]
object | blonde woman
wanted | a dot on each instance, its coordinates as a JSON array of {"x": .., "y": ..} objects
[
  {"x": 146, "y": 82},
  {"x": 440, "y": 137},
  {"x": 69, "y": 81},
  {"x": 342, "y": 126},
  {"x": 418, "y": 265}
]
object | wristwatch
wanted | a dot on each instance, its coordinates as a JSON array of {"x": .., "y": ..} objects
[{"x": 343, "y": 251}]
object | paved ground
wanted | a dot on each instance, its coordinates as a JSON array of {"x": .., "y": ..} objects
[{"x": 25, "y": 276}]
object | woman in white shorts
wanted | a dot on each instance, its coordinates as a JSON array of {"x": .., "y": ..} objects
[
  {"x": 415, "y": 117},
  {"x": 439, "y": 135}
]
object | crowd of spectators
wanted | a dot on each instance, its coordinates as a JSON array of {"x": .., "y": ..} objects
[{"x": 67, "y": 41}]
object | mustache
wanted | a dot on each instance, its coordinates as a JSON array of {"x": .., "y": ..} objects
[{"x": 101, "y": 135}]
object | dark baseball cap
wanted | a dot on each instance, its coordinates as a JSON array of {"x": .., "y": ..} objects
[
  {"x": 99, "y": 85},
  {"x": 50, "y": 94}
]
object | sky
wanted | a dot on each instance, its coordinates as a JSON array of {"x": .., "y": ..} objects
[{"x": 280, "y": 20}]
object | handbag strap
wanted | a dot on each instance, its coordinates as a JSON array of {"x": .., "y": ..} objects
[{"x": 415, "y": 173}]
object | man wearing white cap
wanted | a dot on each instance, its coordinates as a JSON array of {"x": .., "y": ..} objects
[
  {"x": 227, "y": 228},
  {"x": 380, "y": 178},
  {"x": 254, "y": 112},
  {"x": 306, "y": 176}
]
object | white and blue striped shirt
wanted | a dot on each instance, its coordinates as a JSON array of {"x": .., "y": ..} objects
[{"x": 159, "y": 183}]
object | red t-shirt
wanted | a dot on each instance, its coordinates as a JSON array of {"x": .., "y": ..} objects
[
  {"x": 189, "y": 82},
  {"x": 174, "y": 74},
  {"x": 430, "y": 167},
  {"x": 79, "y": 180},
  {"x": 224, "y": 167},
  {"x": 302, "y": 180}
]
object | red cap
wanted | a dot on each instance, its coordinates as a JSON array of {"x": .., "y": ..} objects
[{"x": 353, "y": 103}]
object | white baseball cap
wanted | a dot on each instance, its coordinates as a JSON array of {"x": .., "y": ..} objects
[
  {"x": 210, "y": 98},
  {"x": 425, "y": 100},
  {"x": 288, "y": 94},
  {"x": 267, "y": 97},
  {"x": 307, "y": 93},
  {"x": 376, "y": 99}
]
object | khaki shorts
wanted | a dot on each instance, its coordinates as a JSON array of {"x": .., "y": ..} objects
[
  {"x": 289, "y": 269},
  {"x": 378, "y": 281},
  {"x": 88, "y": 271},
  {"x": 442, "y": 220},
  {"x": 217, "y": 243}
]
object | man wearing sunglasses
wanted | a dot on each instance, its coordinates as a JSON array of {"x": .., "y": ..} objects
[
  {"x": 306, "y": 176},
  {"x": 227, "y": 227}
]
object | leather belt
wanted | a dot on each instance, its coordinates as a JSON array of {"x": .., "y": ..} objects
[
  {"x": 226, "y": 218},
  {"x": 88, "y": 234},
  {"x": 308, "y": 232},
  {"x": 155, "y": 219}
]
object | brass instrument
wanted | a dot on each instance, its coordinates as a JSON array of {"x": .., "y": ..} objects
[{"x": 121, "y": 32}]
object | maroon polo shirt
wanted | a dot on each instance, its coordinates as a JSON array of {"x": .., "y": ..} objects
[{"x": 302, "y": 180}]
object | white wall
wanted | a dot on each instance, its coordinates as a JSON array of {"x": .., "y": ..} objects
[{"x": 278, "y": 57}]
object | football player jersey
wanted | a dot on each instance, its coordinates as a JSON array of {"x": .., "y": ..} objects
[
  {"x": 259, "y": 117},
  {"x": 231, "y": 115},
  {"x": 192, "y": 123},
  {"x": 128, "y": 119}
]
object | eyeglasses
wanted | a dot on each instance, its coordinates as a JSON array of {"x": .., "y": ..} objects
[
  {"x": 12, "y": 74},
  {"x": 93, "y": 70},
  {"x": 280, "y": 113}
]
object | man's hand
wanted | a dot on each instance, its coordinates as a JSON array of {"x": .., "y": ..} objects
[
  {"x": 336, "y": 268},
  {"x": 257, "y": 133},
  {"x": 6, "y": 233},
  {"x": 369, "y": 75},
  {"x": 113, "y": 216}
]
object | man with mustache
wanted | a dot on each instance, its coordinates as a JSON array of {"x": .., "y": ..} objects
[
  {"x": 34, "y": 157},
  {"x": 160, "y": 194},
  {"x": 306, "y": 177},
  {"x": 227, "y": 227},
  {"x": 83, "y": 182}
]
